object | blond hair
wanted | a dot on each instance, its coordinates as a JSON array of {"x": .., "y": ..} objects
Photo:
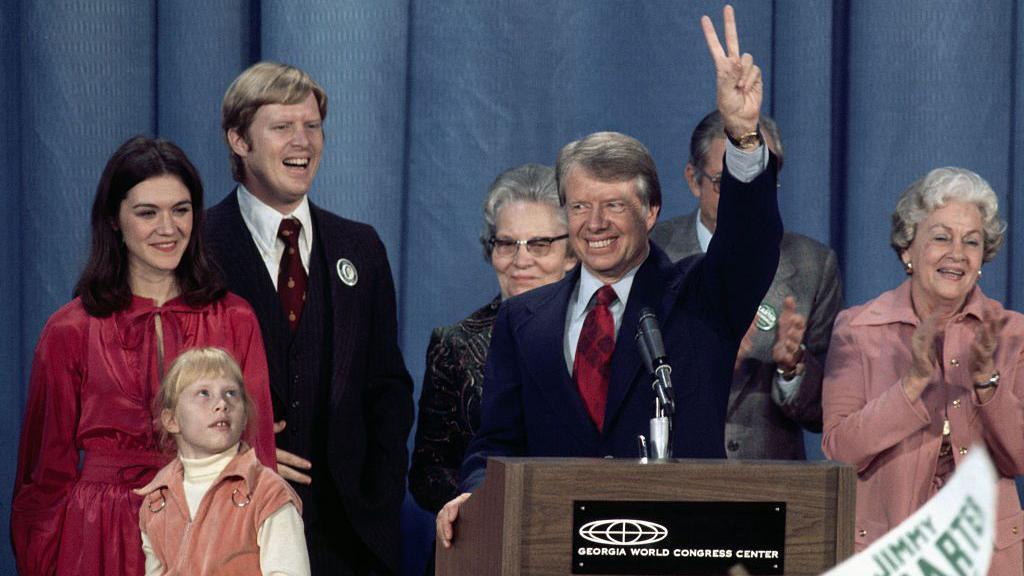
[
  {"x": 192, "y": 366},
  {"x": 263, "y": 83}
]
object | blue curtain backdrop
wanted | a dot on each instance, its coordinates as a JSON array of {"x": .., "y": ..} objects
[{"x": 430, "y": 99}]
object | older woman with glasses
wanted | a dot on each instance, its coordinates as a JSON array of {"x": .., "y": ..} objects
[
  {"x": 917, "y": 376},
  {"x": 524, "y": 240}
]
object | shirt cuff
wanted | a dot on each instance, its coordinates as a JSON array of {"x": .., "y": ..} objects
[
  {"x": 745, "y": 166},
  {"x": 783, "y": 390}
]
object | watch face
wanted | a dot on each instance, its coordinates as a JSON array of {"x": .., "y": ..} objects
[
  {"x": 746, "y": 141},
  {"x": 750, "y": 140}
]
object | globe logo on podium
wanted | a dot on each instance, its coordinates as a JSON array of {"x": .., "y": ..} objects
[{"x": 623, "y": 532}]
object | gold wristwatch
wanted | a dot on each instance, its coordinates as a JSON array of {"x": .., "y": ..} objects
[{"x": 747, "y": 141}]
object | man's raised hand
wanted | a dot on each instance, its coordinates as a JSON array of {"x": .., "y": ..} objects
[{"x": 738, "y": 79}]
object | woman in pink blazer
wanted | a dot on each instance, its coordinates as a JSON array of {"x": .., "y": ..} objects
[{"x": 921, "y": 373}]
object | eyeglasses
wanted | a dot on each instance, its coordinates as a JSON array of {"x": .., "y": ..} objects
[
  {"x": 715, "y": 180},
  {"x": 538, "y": 247}
]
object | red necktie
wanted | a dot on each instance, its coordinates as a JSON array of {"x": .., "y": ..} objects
[
  {"x": 291, "y": 276},
  {"x": 592, "y": 368}
]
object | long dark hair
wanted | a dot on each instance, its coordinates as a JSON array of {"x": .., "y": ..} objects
[{"x": 103, "y": 285}]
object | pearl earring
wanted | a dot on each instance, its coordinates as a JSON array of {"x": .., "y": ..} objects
[{"x": 908, "y": 266}]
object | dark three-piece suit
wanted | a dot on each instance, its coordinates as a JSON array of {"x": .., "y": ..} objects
[{"x": 339, "y": 381}]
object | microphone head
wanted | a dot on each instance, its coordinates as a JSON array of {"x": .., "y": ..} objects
[
  {"x": 648, "y": 337},
  {"x": 647, "y": 316},
  {"x": 645, "y": 352},
  {"x": 651, "y": 334}
]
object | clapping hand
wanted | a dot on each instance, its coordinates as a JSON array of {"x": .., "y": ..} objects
[
  {"x": 788, "y": 352},
  {"x": 981, "y": 365},
  {"x": 924, "y": 360}
]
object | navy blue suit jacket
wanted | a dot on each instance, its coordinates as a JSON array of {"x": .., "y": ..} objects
[{"x": 531, "y": 406}]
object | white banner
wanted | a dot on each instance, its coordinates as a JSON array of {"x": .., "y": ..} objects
[{"x": 951, "y": 534}]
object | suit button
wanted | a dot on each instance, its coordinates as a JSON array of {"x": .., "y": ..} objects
[
  {"x": 296, "y": 404},
  {"x": 954, "y": 362},
  {"x": 1014, "y": 530},
  {"x": 956, "y": 403},
  {"x": 733, "y": 446},
  {"x": 963, "y": 451},
  {"x": 862, "y": 533}
]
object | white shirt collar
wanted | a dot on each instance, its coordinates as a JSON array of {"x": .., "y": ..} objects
[
  {"x": 589, "y": 284},
  {"x": 263, "y": 222},
  {"x": 703, "y": 234}
]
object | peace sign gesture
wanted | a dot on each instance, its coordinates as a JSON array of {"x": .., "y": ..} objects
[{"x": 739, "y": 86}]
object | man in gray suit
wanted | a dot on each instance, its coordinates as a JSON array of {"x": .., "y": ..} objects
[{"x": 776, "y": 386}]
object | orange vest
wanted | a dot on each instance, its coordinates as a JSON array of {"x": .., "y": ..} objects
[{"x": 221, "y": 539}]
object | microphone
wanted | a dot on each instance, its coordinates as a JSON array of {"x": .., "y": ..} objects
[{"x": 652, "y": 350}]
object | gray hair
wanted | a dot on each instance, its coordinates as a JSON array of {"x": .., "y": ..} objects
[
  {"x": 938, "y": 187},
  {"x": 525, "y": 183},
  {"x": 712, "y": 126},
  {"x": 611, "y": 157}
]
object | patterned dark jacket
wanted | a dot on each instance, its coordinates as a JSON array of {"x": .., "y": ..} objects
[{"x": 450, "y": 406}]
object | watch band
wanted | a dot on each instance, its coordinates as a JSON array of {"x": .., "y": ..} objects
[
  {"x": 797, "y": 369},
  {"x": 747, "y": 141}
]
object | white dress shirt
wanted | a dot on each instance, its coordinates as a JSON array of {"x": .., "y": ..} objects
[
  {"x": 582, "y": 301},
  {"x": 263, "y": 223}
]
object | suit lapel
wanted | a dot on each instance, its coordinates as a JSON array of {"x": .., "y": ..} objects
[
  {"x": 244, "y": 257},
  {"x": 543, "y": 347},
  {"x": 648, "y": 291},
  {"x": 336, "y": 244},
  {"x": 688, "y": 243},
  {"x": 241, "y": 262},
  {"x": 784, "y": 272}
]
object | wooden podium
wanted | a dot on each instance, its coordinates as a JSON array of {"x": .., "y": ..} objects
[{"x": 520, "y": 520}]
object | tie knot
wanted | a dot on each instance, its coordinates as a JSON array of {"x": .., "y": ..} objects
[
  {"x": 289, "y": 231},
  {"x": 606, "y": 295}
]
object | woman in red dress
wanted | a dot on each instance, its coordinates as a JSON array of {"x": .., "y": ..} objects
[{"x": 147, "y": 293}]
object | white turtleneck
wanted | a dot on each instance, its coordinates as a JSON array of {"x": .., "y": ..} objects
[{"x": 200, "y": 474}]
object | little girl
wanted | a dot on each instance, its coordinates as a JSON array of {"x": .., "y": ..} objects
[{"x": 215, "y": 509}]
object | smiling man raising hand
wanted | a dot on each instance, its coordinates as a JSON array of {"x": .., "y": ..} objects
[{"x": 563, "y": 375}]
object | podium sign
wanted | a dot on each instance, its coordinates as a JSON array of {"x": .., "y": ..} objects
[
  {"x": 647, "y": 537},
  {"x": 523, "y": 519}
]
